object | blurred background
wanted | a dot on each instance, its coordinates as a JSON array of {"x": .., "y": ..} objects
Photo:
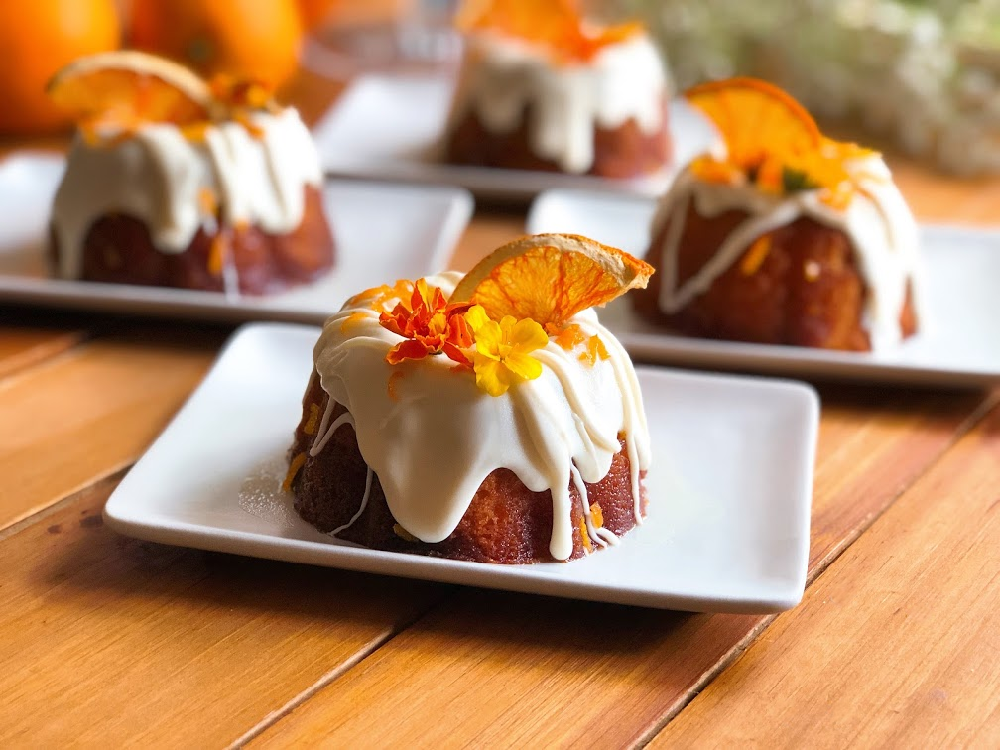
[{"x": 918, "y": 76}]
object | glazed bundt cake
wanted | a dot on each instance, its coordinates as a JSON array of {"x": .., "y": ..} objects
[{"x": 480, "y": 418}]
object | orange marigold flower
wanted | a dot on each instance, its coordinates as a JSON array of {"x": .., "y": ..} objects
[{"x": 429, "y": 326}]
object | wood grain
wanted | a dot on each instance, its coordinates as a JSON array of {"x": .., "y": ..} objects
[
  {"x": 897, "y": 644},
  {"x": 936, "y": 197},
  {"x": 20, "y": 348},
  {"x": 510, "y": 669},
  {"x": 107, "y": 641},
  {"x": 85, "y": 415}
]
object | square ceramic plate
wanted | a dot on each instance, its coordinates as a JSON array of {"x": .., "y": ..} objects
[
  {"x": 383, "y": 232},
  {"x": 730, "y": 488},
  {"x": 959, "y": 346},
  {"x": 389, "y": 127}
]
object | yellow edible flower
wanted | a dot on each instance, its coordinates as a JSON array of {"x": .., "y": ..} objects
[{"x": 501, "y": 357}]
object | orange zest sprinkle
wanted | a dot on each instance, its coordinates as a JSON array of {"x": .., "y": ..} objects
[
  {"x": 218, "y": 251},
  {"x": 378, "y": 298},
  {"x": 584, "y": 536},
  {"x": 313, "y": 421},
  {"x": 352, "y": 320},
  {"x": 293, "y": 470},
  {"x": 429, "y": 326},
  {"x": 571, "y": 336},
  {"x": 196, "y": 132},
  {"x": 393, "y": 386},
  {"x": 208, "y": 202},
  {"x": 596, "y": 515},
  {"x": 755, "y": 256},
  {"x": 595, "y": 350},
  {"x": 568, "y": 337}
]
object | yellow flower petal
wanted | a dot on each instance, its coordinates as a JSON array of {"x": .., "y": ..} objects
[
  {"x": 523, "y": 365},
  {"x": 491, "y": 376},
  {"x": 476, "y": 317},
  {"x": 506, "y": 326},
  {"x": 527, "y": 335},
  {"x": 488, "y": 339}
]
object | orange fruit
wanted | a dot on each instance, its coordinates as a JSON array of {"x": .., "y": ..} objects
[
  {"x": 557, "y": 24},
  {"x": 126, "y": 88},
  {"x": 756, "y": 119},
  {"x": 550, "y": 277},
  {"x": 254, "y": 39},
  {"x": 37, "y": 38}
]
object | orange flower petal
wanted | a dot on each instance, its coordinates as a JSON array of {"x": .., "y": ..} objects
[{"x": 409, "y": 349}]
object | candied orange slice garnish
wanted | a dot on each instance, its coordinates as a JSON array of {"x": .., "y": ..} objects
[
  {"x": 550, "y": 277},
  {"x": 556, "y": 24},
  {"x": 756, "y": 119},
  {"x": 126, "y": 87}
]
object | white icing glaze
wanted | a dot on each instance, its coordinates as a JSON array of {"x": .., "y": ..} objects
[
  {"x": 878, "y": 223},
  {"x": 435, "y": 443},
  {"x": 157, "y": 175},
  {"x": 501, "y": 76}
]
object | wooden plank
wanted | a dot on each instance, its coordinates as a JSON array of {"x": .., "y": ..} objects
[
  {"x": 936, "y": 197},
  {"x": 509, "y": 669},
  {"x": 21, "y": 348},
  {"x": 107, "y": 641},
  {"x": 87, "y": 414},
  {"x": 897, "y": 644}
]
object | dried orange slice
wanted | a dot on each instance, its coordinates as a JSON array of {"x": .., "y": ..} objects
[
  {"x": 556, "y": 24},
  {"x": 544, "y": 21},
  {"x": 550, "y": 277},
  {"x": 756, "y": 119},
  {"x": 125, "y": 88}
]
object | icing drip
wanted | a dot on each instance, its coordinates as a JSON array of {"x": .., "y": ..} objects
[
  {"x": 502, "y": 76},
  {"x": 878, "y": 223},
  {"x": 159, "y": 177},
  {"x": 438, "y": 437}
]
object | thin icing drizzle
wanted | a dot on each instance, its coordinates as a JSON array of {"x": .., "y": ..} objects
[
  {"x": 502, "y": 76},
  {"x": 878, "y": 223},
  {"x": 434, "y": 442}
]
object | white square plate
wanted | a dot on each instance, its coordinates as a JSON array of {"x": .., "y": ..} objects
[
  {"x": 959, "y": 345},
  {"x": 389, "y": 127},
  {"x": 730, "y": 488},
  {"x": 383, "y": 232}
]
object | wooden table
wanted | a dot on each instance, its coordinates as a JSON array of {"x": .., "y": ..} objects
[{"x": 106, "y": 640}]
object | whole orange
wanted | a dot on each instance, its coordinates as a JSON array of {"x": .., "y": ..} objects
[
  {"x": 37, "y": 38},
  {"x": 256, "y": 39}
]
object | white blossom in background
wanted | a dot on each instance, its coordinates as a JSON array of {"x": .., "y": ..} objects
[{"x": 923, "y": 74}]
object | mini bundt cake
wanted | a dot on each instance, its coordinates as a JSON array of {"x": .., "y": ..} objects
[
  {"x": 442, "y": 419},
  {"x": 539, "y": 89},
  {"x": 783, "y": 236},
  {"x": 176, "y": 182}
]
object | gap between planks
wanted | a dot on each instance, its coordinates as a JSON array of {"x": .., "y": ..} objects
[
  {"x": 374, "y": 645},
  {"x": 981, "y": 412}
]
